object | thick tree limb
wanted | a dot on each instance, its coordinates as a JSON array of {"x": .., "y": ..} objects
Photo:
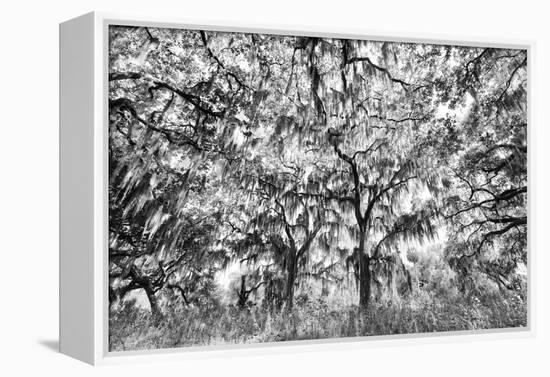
[{"x": 403, "y": 84}]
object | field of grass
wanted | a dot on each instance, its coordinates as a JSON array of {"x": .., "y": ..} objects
[{"x": 132, "y": 328}]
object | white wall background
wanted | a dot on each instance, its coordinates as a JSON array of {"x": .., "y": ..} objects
[{"x": 29, "y": 184}]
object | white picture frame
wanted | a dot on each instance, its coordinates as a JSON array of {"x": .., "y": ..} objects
[{"x": 83, "y": 193}]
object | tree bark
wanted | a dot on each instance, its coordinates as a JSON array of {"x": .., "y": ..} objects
[
  {"x": 153, "y": 302},
  {"x": 291, "y": 278},
  {"x": 243, "y": 296},
  {"x": 364, "y": 274}
]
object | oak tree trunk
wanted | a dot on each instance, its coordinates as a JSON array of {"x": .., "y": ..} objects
[
  {"x": 364, "y": 274},
  {"x": 156, "y": 313},
  {"x": 243, "y": 296},
  {"x": 291, "y": 278}
]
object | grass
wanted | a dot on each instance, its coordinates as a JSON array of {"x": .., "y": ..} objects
[{"x": 132, "y": 328}]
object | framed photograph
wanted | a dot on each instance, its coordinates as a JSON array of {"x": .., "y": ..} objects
[{"x": 225, "y": 188}]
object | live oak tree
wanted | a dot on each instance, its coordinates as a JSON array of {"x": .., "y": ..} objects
[
  {"x": 291, "y": 222},
  {"x": 163, "y": 143},
  {"x": 488, "y": 208},
  {"x": 363, "y": 125}
]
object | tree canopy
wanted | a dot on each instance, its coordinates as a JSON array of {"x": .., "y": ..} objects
[{"x": 312, "y": 165}]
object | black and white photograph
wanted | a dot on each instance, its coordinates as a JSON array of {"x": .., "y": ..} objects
[{"x": 274, "y": 188}]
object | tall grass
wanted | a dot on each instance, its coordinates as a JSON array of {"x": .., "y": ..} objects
[{"x": 132, "y": 328}]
